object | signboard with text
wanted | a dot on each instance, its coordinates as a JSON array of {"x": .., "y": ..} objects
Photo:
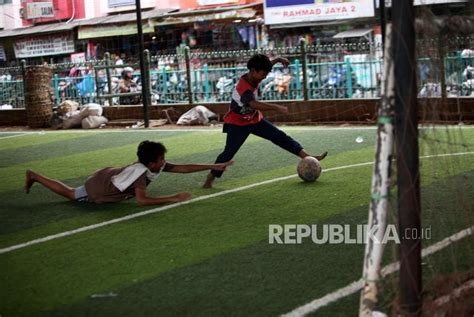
[
  {"x": 44, "y": 45},
  {"x": 36, "y": 10},
  {"x": 300, "y": 11}
]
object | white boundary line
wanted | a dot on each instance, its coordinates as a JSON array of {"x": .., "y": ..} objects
[
  {"x": 11, "y": 136},
  {"x": 214, "y": 129},
  {"x": 159, "y": 209},
  {"x": 356, "y": 286},
  {"x": 207, "y": 129}
]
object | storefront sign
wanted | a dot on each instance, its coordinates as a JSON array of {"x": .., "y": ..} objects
[
  {"x": 297, "y": 11},
  {"x": 44, "y": 45},
  {"x": 39, "y": 10}
]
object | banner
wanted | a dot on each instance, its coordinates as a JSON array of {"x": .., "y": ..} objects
[
  {"x": 298, "y": 11},
  {"x": 44, "y": 45}
]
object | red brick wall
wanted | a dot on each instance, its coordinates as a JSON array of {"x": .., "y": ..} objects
[{"x": 316, "y": 111}]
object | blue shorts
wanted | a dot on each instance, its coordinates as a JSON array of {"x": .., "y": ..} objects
[{"x": 80, "y": 194}]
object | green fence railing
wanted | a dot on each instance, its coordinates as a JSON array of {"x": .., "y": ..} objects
[{"x": 315, "y": 72}]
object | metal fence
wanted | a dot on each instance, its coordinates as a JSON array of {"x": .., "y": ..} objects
[{"x": 315, "y": 72}]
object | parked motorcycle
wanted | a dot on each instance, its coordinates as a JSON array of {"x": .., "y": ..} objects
[
  {"x": 334, "y": 83},
  {"x": 276, "y": 84},
  {"x": 224, "y": 86}
]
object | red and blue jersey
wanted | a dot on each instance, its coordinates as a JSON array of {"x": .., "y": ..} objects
[{"x": 240, "y": 112}]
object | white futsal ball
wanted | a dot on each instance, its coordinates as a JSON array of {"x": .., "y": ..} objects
[{"x": 309, "y": 169}]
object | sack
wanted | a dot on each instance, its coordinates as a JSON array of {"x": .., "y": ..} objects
[
  {"x": 93, "y": 122},
  {"x": 197, "y": 115},
  {"x": 73, "y": 121},
  {"x": 67, "y": 106},
  {"x": 92, "y": 109}
]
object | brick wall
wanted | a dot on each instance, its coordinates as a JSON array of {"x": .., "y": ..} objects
[{"x": 315, "y": 111}]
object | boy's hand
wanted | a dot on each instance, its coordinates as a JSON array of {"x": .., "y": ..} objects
[
  {"x": 182, "y": 196},
  {"x": 222, "y": 166}
]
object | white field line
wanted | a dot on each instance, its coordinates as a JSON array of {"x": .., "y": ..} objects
[
  {"x": 207, "y": 129},
  {"x": 356, "y": 286},
  {"x": 214, "y": 129},
  {"x": 163, "y": 208},
  {"x": 159, "y": 209},
  {"x": 12, "y": 136}
]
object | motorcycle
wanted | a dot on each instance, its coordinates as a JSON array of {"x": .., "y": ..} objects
[
  {"x": 276, "y": 84},
  {"x": 224, "y": 86},
  {"x": 334, "y": 84}
]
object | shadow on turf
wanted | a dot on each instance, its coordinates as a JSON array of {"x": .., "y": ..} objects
[
  {"x": 264, "y": 279},
  {"x": 24, "y": 211},
  {"x": 245, "y": 282}
]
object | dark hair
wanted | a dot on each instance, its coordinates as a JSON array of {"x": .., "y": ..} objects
[
  {"x": 149, "y": 151},
  {"x": 260, "y": 62}
]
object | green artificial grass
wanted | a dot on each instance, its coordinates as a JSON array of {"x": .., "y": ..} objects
[{"x": 209, "y": 257}]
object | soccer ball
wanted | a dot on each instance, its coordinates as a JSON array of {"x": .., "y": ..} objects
[{"x": 309, "y": 169}]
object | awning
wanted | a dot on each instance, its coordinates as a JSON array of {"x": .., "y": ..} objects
[
  {"x": 246, "y": 11},
  {"x": 95, "y": 31},
  {"x": 64, "y": 26},
  {"x": 127, "y": 17},
  {"x": 46, "y": 28},
  {"x": 231, "y": 14},
  {"x": 212, "y": 10},
  {"x": 353, "y": 33}
]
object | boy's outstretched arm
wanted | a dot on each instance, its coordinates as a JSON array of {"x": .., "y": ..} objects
[
  {"x": 191, "y": 168},
  {"x": 282, "y": 60},
  {"x": 259, "y": 105},
  {"x": 144, "y": 200}
]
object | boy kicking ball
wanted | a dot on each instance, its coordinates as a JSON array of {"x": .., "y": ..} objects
[
  {"x": 245, "y": 117},
  {"x": 110, "y": 185}
]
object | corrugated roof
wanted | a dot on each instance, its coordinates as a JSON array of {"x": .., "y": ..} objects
[
  {"x": 45, "y": 28},
  {"x": 63, "y": 26},
  {"x": 212, "y": 10},
  {"x": 119, "y": 18},
  {"x": 353, "y": 33}
]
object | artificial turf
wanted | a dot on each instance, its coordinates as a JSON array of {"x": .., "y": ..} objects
[{"x": 209, "y": 257}]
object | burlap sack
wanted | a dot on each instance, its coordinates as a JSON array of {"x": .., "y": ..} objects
[
  {"x": 93, "y": 122},
  {"x": 93, "y": 109},
  {"x": 74, "y": 121},
  {"x": 67, "y": 106}
]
